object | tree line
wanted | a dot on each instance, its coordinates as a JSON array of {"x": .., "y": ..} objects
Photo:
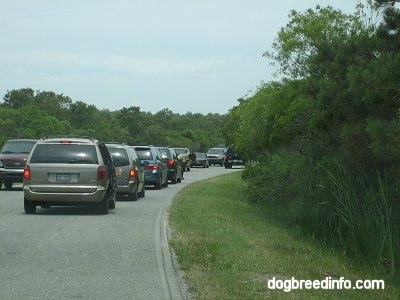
[
  {"x": 324, "y": 140},
  {"x": 26, "y": 113}
]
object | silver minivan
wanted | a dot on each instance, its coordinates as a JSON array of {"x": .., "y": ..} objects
[
  {"x": 129, "y": 172},
  {"x": 69, "y": 171}
]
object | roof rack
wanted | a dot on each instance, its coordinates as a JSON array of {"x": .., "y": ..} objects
[{"x": 71, "y": 136}]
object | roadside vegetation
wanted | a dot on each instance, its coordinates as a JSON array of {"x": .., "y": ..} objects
[
  {"x": 25, "y": 113},
  {"x": 229, "y": 249},
  {"x": 323, "y": 143}
]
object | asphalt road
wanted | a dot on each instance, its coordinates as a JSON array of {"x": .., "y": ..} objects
[{"x": 74, "y": 253}]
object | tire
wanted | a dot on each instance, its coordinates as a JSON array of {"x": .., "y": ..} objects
[
  {"x": 165, "y": 183},
  {"x": 29, "y": 207},
  {"x": 175, "y": 180},
  {"x": 134, "y": 196},
  {"x": 142, "y": 193},
  {"x": 159, "y": 185},
  {"x": 8, "y": 185}
]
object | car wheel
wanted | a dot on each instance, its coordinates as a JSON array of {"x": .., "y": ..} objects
[
  {"x": 165, "y": 183},
  {"x": 159, "y": 185},
  {"x": 134, "y": 196},
  {"x": 8, "y": 185},
  {"x": 112, "y": 197},
  {"x": 142, "y": 193},
  {"x": 175, "y": 180},
  {"x": 30, "y": 207}
]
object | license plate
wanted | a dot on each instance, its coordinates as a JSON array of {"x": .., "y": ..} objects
[{"x": 63, "y": 177}]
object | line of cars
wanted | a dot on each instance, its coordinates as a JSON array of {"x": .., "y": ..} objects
[{"x": 64, "y": 171}]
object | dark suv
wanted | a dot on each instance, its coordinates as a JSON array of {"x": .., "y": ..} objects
[
  {"x": 154, "y": 166},
  {"x": 173, "y": 164},
  {"x": 231, "y": 158},
  {"x": 129, "y": 172},
  {"x": 69, "y": 171},
  {"x": 13, "y": 157}
]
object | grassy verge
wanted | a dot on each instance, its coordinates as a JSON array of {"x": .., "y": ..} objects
[{"x": 229, "y": 250}]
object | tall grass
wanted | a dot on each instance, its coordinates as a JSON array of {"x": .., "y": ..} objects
[{"x": 352, "y": 209}]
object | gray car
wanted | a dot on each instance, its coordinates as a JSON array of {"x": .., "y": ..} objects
[
  {"x": 129, "y": 171},
  {"x": 69, "y": 171}
]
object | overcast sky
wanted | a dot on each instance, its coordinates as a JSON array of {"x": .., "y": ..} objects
[{"x": 184, "y": 55}]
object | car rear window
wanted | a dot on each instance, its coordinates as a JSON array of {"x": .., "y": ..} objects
[
  {"x": 144, "y": 153},
  {"x": 215, "y": 151},
  {"x": 18, "y": 146},
  {"x": 64, "y": 154},
  {"x": 166, "y": 153},
  {"x": 119, "y": 154},
  {"x": 180, "y": 151}
]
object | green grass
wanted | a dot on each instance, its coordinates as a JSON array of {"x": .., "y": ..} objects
[{"x": 228, "y": 249}]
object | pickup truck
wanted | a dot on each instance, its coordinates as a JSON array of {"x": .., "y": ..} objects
[
  {"x": 231, "y": 158},
  {"x": 13, "y": 157}
]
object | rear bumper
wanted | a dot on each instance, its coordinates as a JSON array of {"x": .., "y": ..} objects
[
  {"x": 54, "y": 198},
  {"x": 11, "y": 175}
]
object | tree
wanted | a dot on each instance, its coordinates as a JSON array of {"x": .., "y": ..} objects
[{"x": 18, "y": 98}]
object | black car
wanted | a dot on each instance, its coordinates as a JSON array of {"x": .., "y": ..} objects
[
  {"x": 231, "y": 158},
  {"x": 173, "y": 164}
]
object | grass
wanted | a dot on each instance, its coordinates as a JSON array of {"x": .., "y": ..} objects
[{"x": 228, "y": 249}]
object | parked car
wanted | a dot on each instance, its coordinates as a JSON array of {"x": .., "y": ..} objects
[
  {"x": 201, "y": 160},
  {"x": 183, "y": 151},
  {"x": 173, "y": 164},
  {"x": 216, "y": 156},
  {"x": 231, "y": 158},
  {"x": 69, "y": 171},
  {"x": 13, "y": 157},
  {"x": 129, "y": 171},
  {"x": 156, "y": 171}
]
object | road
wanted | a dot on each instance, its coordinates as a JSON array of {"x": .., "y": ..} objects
[{"x": 74, "y": 253}]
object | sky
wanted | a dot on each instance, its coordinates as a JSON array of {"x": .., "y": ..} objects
[{"x": 196, "y": 56}]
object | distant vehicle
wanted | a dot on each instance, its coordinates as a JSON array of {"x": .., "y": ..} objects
[
  {"x": 69, "y": 171},
  {"x": 173, "y": 164},
  {"x": 216, "y": 156},
  {"x": 129, "y": 171},
  {"x": 231, "y": 158},
  {"x": 201, "y": 160},
  {"x": 13, "y": 157},
  {"x": 155, "y": 167},
  {"x": 179, "y": 151}
]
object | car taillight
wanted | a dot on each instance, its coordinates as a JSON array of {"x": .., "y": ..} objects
[
  {"x": 27, "y": 173},
  {"x": 101, "y": 173},
  {"x": 170, "y": 162},
  {"x": 151, "y": 167},
  {"x": 132, "y": 173}
]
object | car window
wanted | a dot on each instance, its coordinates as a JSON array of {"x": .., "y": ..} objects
[
  {"x": 144, "y": 153},
  {"x": 64, "y": 153},
  {"x": 215, "y": 151},
  {"x": 119, "y": 154},
  {"x": 18, "y": 147},
  {"x": 180, "y": 151}
]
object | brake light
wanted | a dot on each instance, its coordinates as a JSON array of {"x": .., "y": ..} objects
[
  {"x": 170, "y": 162},
  {"x": 27, "y": 173},
  {"x": 65, "y": 142},
  {"x": 101, "y": 173},
  {"x": 151, "y": 167},
  {"x": 132, "y": 173}
]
